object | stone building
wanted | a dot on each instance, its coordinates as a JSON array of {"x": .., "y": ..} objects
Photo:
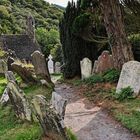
[{"x": 22, "y": 44}]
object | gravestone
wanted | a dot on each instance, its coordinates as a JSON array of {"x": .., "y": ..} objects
[
  {"x": 105, "y": 62},
  {"x": 130, "y": 76},
  {"x": 19, "y": 102},
  {"x": 58, "y": 67},
  {"x": 3, "y": 66},
  {"x": 86, "y": 68},
  {"x": 41, "y": 68},
  {"x": 5, "y": 97},
  {"x": 9, "y": 75},
  {"x": 50, "y": 121},
  {"x": 25, "y": 74},
  {"x": 50, "y": 65},
  {"x": 59, "y": 104}
]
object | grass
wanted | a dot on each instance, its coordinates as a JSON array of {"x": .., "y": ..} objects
[
  {"x": 13, "y": 129},
  {"x": 71, "y": 134}
]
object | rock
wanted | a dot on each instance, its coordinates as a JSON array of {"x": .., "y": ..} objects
[
  {"x": 25, "y": 74},
  {"x": 5, "y": 97},
  {"x": 9, "y": 62},
  {"x": 9, "y": 75},
  {"x": 105, "y": 62},
  {"x": 41, "y": 68},
  {"x": 130, "y": 76},
  {"x": 19, "y": 101},
  {"x": 3, "y": 66},
  {"x": 58, "y": 67},
  {"x": 50, "y": 65},
  {"x": 59, "y": 104},
  {"x": 50, "y": 121},
  {"x": 86, "y": 68}
]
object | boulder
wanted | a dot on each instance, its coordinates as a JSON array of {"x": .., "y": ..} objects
[
  {"x": 130, "y": 76},
  {"x": 86, "y": 68}
]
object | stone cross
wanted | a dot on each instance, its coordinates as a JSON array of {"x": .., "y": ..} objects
[
  {"x": 50, "y": 65},
  {"x": 86, "y": 68}
]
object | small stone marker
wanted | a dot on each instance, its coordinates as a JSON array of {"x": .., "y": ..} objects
[
  {"x": 86, "y": 68},
  {"x": 59, "y": 104},
  {"x": 9, "y": 62},
  {"x": 105, "y": 62},
  {"x": 5, "y": 97},
  {"x": 58, "y": 67},
  {"x": 3, "y": 66},
  {"x": 130, "y": 76},
  {"x": 50, "y": 65}
]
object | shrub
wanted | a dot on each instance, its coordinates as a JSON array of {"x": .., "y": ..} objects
[
  {"x": 125, "y": 93},
  {"x": 94, "y": 79},
  {"x": 111, "y": 75}
]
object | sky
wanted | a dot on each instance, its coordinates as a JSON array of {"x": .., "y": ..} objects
[{"x": 59, "y": 2}]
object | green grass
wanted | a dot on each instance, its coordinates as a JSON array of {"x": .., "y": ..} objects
[
  {"x": 128, "y": 113},
  {"x": 12, "y": 129},
  {"x": 71, "y": 135}
]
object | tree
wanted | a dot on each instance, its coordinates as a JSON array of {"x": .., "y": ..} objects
[{"x": 113, "y": 21}]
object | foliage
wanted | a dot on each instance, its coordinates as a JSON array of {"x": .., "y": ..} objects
[
  {"x": 135, "y": 41},
  {"x": 125, "y": 93},
  {"x": 94, "y": 79},
  {"x": 47, "y": 39},
  {"x": 47, "y": 16},
  {"x": 80, "y": 23},
  {"x": 111, "y": 75},
  {"x": 71, "y": 135}
]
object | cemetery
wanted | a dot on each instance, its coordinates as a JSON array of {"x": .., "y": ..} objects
[{"x": 69, "y": 73}]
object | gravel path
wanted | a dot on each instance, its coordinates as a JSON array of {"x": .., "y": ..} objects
[{"x": 90, "y": 122}]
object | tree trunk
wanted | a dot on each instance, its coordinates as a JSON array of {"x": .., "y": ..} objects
[{"x": 113, "y": 20}]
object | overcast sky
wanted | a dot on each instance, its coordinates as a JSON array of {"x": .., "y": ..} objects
[{"x": 59, "y": 2}]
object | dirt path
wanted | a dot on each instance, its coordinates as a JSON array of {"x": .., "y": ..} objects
[{"x": 90, "y": 122}]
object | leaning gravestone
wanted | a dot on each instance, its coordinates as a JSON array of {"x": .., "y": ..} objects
[
  {"x": 40, "y": 66},
  {"x": 130, "y": 76},
  {"x": 50, "y": 121},
  {"x": 3, "y": 66},
  {"x": 86, "y": 68},
  {"x": 105, "y": 62},
  {"x": 50, "y": 65},
  {"x": 58, "y": 67},
  {"x": 25, "y": 74},
  {"x": 19, "y": 101}
]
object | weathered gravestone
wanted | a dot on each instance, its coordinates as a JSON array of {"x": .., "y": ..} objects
[
  {"x": 9, "y": 75},
  {"x": 25, "y": 74},
  {"x": 50, "y": 121},
  {"x": 59, "y": 104},
  {"x": 86, "y": 68},
  {"x": 3, "y": 66},
  {"x": 130, "y": 76},
  {"x": 50, "y": 65},
  {"x": 5, "y": 97},
  {"x": 57, "y": 67},
  {"x": 19, "y": 101},
  {"x": 105, "y": 62},
  {"x": 41, "y": 68}
]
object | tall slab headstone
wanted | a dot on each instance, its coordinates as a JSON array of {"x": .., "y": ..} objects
[{"x": 86, "y": 68}]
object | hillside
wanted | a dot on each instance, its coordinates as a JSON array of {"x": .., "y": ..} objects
[{"x": 13, "y": 15}]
